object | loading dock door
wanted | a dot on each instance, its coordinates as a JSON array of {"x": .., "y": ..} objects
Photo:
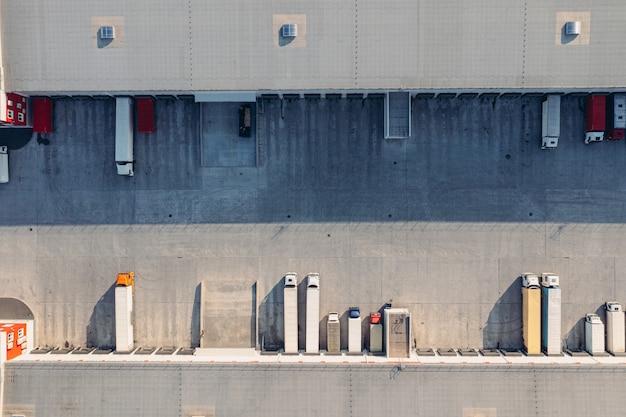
[
  {"x": 42, "y": 115},
  {"x": 397, "y": 115},
  {"x": 145, "y": 115}
]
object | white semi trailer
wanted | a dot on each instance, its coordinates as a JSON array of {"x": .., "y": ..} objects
[
  {"x": 615, "y": 338},
  {"x": 124, "y": 333},
  {"x": 551, "y": 121},
  {"x": 313, "y": 313},
  {"x": 124, "y": 138},
  {"x": 290, "y": 297},
  {"x": 550, "y": 314}
]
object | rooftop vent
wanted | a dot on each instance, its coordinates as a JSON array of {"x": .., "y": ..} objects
[
  {"x": 572, "y": 28},
  {"x": 107, "y": 32},
  {"x": 290, "y": 30}
]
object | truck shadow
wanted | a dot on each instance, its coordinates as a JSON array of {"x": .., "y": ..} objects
[
  {"x": 195, "y": 332},
  {"x": 575, "y": 338},
  {"x": 101, "y": 325},
  {"x": 504, "y": 324},
  {"x": 270, "y": 320}
]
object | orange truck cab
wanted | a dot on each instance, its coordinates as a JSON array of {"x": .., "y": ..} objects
[{"x": 126, "y": 279}]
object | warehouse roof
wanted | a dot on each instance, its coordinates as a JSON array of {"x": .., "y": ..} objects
[{"x": 186, "y": 45}]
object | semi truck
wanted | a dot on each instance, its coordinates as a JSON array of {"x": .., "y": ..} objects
[
  {"x": 290, "y": 297},
  {"x": 596, "y": 118},
  {"x": 124, "y": 288},
  {"x": 313, "y": 313},
  {"x": 124, "y": 155},
  {"x": 551, "y": 121}
]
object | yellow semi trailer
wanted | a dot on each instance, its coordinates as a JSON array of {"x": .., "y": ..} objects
[{"x": 531, "y": 316}]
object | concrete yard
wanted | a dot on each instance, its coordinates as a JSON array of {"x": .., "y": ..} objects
[
  {"x": 442, "y": 223},
  {"x": 225, "y": 390}
]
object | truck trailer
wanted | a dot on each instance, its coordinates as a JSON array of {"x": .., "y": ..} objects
[
  {"x": 596, "y": 118},
  {"x": 616, "y": 117},
  {"x": 615, "y": 337},
  {"x": 531, "y": 313},
  {"x": 313, "y": 313},
  {"x": 354, "y": 331},
  {"x": 124, "y": 288},
  {"x": 551, "y": 121},
  {"x": 124, "y": 137},
  {"x": 551, "y": 320},
  {"x": 333, "y": 333},
  {"x": 594, "y": 334},
  {"x": 4, "y": 164},
  {"x": 290, "y": 297}
]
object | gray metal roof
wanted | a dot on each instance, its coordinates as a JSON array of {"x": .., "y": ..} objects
[{"x": 179, "y": 45}]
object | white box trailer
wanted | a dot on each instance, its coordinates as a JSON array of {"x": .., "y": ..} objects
[
  {"x": 354, "y": 331},
  {"x": 4, "y": 164},
  {"x": 124, "y": 139},
  {"x": 333, "y": 333},
  {"x": 290, "y": 301},
  {"x": 551, "y": 320},
  {"x": 313, "y": 313},
  {"x": 594, "y": 334},
  {"x": 123, "y": 319},
  {"x": 615, "y": 338},
  {"x": 551, "y": 121}
]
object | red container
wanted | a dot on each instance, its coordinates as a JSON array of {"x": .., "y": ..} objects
[
  {"x": 374, "y": 317},
  {"x": 145, "y": 115},
  {"x": 596, "y": 113},
  {"x": 42, "y": 115}
]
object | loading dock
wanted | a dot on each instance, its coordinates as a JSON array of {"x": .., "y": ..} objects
[{"x": 397, "y": 115}]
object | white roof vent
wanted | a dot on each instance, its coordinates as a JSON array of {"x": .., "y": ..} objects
[
  {"x": 107, "y": 32},
  {"x": 572, "y": 28},
  {"x": 290, "y": 30}
]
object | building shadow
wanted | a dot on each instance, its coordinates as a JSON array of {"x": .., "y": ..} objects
[
  {"x": 504, "y": 324},
  {"x": 284, "y": 41},
  {"x": 15, "y": 137},
  {"x": 101, "y": 325},
  {"x": 565, "y": 39}
]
